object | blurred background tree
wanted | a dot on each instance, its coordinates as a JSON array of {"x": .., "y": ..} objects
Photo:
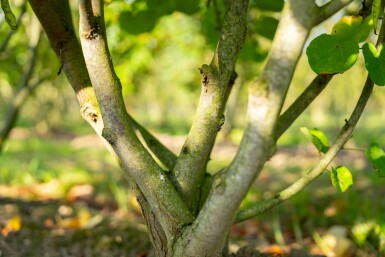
[{"x": 157, "y": 62}]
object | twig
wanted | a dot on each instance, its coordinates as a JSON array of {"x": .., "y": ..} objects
[
  {"x": 265, "y": 103},
  {"x": 30, "y": 203},
  {"x": 301, "y": 103},
  {"x": 167, "y": 157},
  {"x": 330, "y": 9},
  {"x": 23, "y": 91},
  {"x": 343, "y": 137}
]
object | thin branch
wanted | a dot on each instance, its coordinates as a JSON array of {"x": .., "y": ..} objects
[
  {"x": 28, "y": 203},
  {"x": 208, "y": 232},
  {"x": 56, "y": 20},
  {"x": 57, "y": 23},
  {"x": 343, "y": 137},
  {"x": 317, "y": 85},
  {"x": 191, "y": 164},
  {"x": 165, "y": 202},
  {"x": 330, "y": 9},
  {"x": 55, "y": 17},
  {"x": 14, "y": 109},
  {"x": 7, "y": 38},
  {"x": 164, "y": 154},
  {"x": 297, "y": 186},
  {"x": 300, "y": 104},
  {"x": 24, "y": 89}
]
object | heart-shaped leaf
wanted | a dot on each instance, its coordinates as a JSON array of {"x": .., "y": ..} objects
[
  {"x": 317, "y": 137},
  {"x": 341, "y": 178},
  {"x": 376, "y": 157},
  {"x": 375, "y": 63},
  {"x": 330, "y": 54}
]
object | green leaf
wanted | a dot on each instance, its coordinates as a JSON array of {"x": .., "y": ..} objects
[
  {"x": 376, "y": 10},
  {"x": 375, "y": 63},
  {"x": 353, "y": 27},
  {"x": 145, "y": 14},
  {"x": 210, "y": 25},
  {"x": 252, "y": 51},
  {"x": 341, "y": 178},
  {"x": 268, "y": 5},
  {"x": 362, "y": 230},
  {"x": 376, "y": 157},
  {"x": 331, "y": 54},
  {"x": 137, "y": 23},
  {"x": 187, "y": 6},
  {"x": 266, "y": 26},
  {"x": 317, "y": 137},
  {"x": 8, "y": 14}
]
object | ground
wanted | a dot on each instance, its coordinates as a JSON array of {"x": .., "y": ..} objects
[{"x": 63, "y": 195}]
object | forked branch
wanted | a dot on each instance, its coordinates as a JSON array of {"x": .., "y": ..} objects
[
  {"x": 300, "y": 104},
  {"x": 24, "y": 89},
  {"x": 165, "y": 202},
  {"x": 216, "y": 78},
  {"x": 164, "y": 154},
  {"x": 343, "y": 137},
  {"x": 297, "y": 186},
  {"x": 266, "y": 98}
]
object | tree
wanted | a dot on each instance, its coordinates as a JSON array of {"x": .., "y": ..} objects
[{"x": 188, "y": 212}]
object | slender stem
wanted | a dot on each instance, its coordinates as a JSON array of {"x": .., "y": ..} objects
[
  {"x": 330, "y": 9},
  {"x": 191, "y": 164},
  {"x": 297, "y": 186},
  {"x": 55, "y": 17},
  {"x": 317, "y": 85},
  {"x": 167, "y": 157},
  {"x": 165, "y": 202},
  {"x": 14, "y": 110},
  {"x": 301, "y": 103},
  {"x": 7, "y": 38},
  {"x": 352, "y": 149},
  {"x": 24, "y": 89},
  {"x": 344, "y": 136},
  {"x": 207, "y": 234},
  {"x": 266, "y": 96}
]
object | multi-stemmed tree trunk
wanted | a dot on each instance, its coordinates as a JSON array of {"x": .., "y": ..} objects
[{"x": 182, "y": 217}]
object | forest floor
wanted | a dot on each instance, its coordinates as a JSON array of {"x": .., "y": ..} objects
[{"x": 62, "y": 195}]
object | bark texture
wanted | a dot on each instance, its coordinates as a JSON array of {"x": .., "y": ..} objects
[
  {"x": 166, "y": 204},
  {"x": 216, "y": 80},
  {"x": 180, "y": 222}
]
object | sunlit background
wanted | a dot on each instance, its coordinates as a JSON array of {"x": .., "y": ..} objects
[{"x": 60, "y": 184}]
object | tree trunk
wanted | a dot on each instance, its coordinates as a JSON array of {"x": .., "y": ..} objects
[{"x": 181, "y": 225}]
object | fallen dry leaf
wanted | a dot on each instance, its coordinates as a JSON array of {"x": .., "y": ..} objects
[
  {"x": 12, "y": 225},
  {"x": 335, "y": 242},
  {"x": 275, "y": 251},
  {"x": 80, "y": 192}
]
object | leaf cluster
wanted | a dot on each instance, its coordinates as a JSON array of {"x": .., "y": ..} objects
[
  {"x": 338, "y": 52},
  {"x": 341, "y": 177}
]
